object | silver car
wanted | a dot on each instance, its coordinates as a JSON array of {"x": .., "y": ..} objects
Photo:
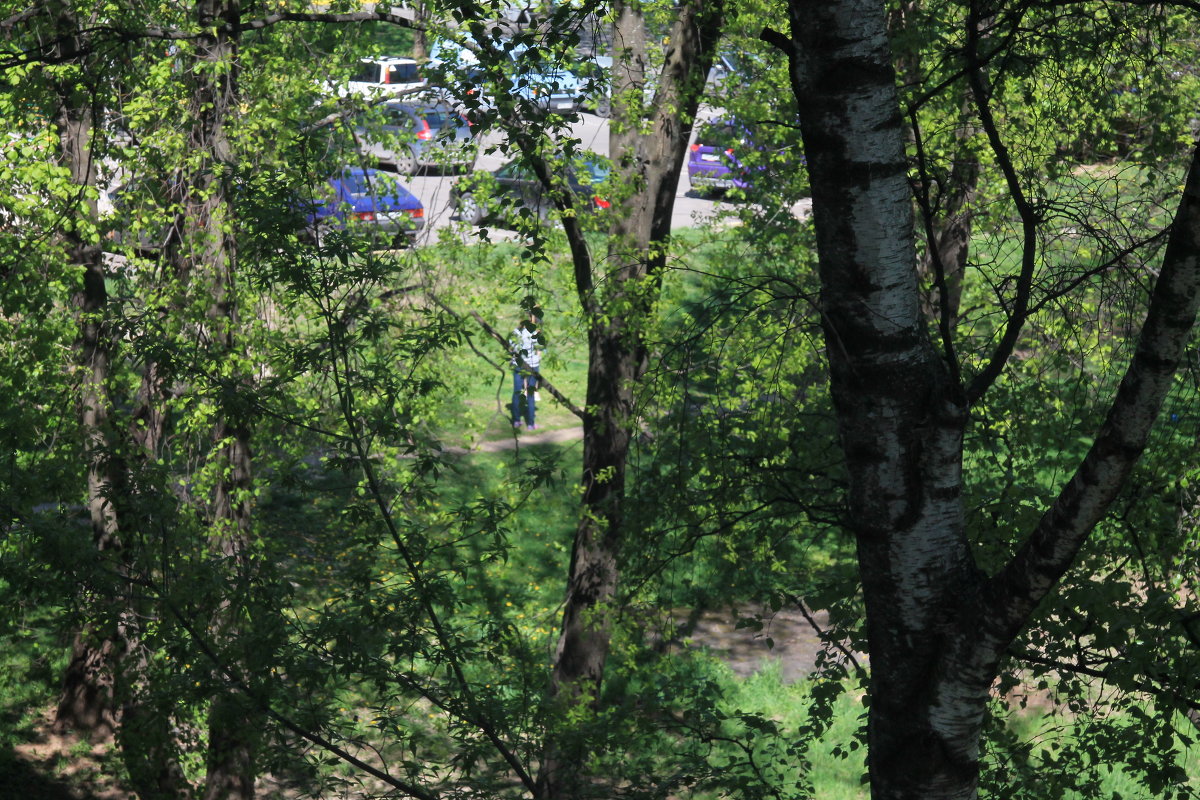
[{"x": 410, "y": 136}]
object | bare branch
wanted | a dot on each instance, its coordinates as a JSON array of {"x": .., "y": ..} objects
[{"x": 1030, "y": 218}]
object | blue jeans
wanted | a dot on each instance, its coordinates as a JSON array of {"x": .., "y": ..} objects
[{"x": 524, "y": 382}]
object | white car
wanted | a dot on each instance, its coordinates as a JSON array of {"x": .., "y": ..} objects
[{"x": 386, "y": 76}]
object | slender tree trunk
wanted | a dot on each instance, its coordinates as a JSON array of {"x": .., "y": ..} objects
[
  {"x": 617, "y": 354},
  {"x": 948, "y": 228},
  {"x": 937, "y": 627},
  {"x": 945, "y": 201},
  {"x": 87, "y": 704},
  {"x": 100, "y": 687},
  {"x": 234, "y": 729}
]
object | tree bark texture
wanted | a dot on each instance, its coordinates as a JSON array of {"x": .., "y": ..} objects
[
  {"x": 103, "y": 681},
  {"x": 937, "y": 627},
  {"x": 210, "y": 251},
  {"x": 87, "y": 704},
  {"x": 648, "y": 161}
]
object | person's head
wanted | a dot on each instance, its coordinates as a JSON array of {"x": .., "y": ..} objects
[{"x": 532, "y": 310}]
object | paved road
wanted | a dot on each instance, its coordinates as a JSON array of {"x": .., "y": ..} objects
[{"x": 434, "y": 190}]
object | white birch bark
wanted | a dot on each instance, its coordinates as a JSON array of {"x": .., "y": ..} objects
[{"x": 937, "y": 627}]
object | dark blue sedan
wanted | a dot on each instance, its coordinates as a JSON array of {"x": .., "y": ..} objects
[{"x": 369, "y": 200}]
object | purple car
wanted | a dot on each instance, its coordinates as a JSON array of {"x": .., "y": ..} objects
[
  {"x": 728, "y": 154},
  {"x": 371, "y": 199},
  {"x": 713, "y": 162}
]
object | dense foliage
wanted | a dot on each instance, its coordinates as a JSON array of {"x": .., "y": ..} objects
[{"x": 388, "y": 622}]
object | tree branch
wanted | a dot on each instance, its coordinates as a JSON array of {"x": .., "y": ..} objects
[
  {"x": 1085, "y": 499},
  {"x": 1091, "y": 672},
  {"x": 236, "y": 682},
  {"x": 1030, "y": 218}
]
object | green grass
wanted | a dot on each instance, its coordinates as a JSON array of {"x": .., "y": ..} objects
[
  {"x": 31, "y": 664},
  {"x": 836, "y": 771}
]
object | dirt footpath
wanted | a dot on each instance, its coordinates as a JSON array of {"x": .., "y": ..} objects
[{"x": 794, "y": 639}]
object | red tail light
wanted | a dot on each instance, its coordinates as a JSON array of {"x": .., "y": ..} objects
[
  {"x": 695, "y": 147},
  {"x": 415, "y": 213},
  {"x": 600, "y": 202},
  {"x": 365, "y": 216},
  {"x": 425, "y": 134}
]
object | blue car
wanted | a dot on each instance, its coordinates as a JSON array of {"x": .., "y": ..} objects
[{"x": 369, "y": 200}]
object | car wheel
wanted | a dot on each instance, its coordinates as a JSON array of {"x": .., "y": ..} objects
[
  {"x": 406, "y": 162},
  {"x": 470, "y": 209},
  {"x": 604, "y": 107}
]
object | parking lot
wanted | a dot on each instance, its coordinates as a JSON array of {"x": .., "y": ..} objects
[{"x": 592, "y": 131}]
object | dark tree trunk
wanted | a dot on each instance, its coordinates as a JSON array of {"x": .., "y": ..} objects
[
  {"x": 945, "y": 199},
  {"x": 617, "y": 354},
  {"x": 87, "y": 704},
  {"x": 210, "y": 255},
  {"x": 948, "y": 230},
  {"x": 937, "y": 627},
  {"x": 101, "y": 684}
]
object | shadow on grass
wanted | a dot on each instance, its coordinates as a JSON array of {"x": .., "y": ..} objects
[{"x": 21, "y": 779}]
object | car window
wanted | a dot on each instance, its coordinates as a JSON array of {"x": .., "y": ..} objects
[
  {"x": 368, "y": 72},
  {"x": 437, "y": 118},
  {"x": 397, "y": 116},
  {"x": 403, "y": 73}
]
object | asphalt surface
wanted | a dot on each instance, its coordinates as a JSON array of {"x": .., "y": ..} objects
[{"x": 592, "y": 131}]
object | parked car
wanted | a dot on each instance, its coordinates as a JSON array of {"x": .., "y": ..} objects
[
  {"x": 367, "y": 199},
  {"x": 594, "y": 74},
  {"x": 547, "y": 84},
  {"x": 491, "y": 196},
  {"x": 463, "y": 88},
  {"x": 364, "y": 199},
  {"x": 713, "y": 161},
  {"x": 387, "y": 75},
  {"x": 416, "y": 135},
  {"x": 551, "y": 87},
  {"x": 730, "y": 153},
  {"x": 595, "y": 81}
]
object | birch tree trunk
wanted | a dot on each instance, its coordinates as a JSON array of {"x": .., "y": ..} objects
[{"x": 937, "y": 627}]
